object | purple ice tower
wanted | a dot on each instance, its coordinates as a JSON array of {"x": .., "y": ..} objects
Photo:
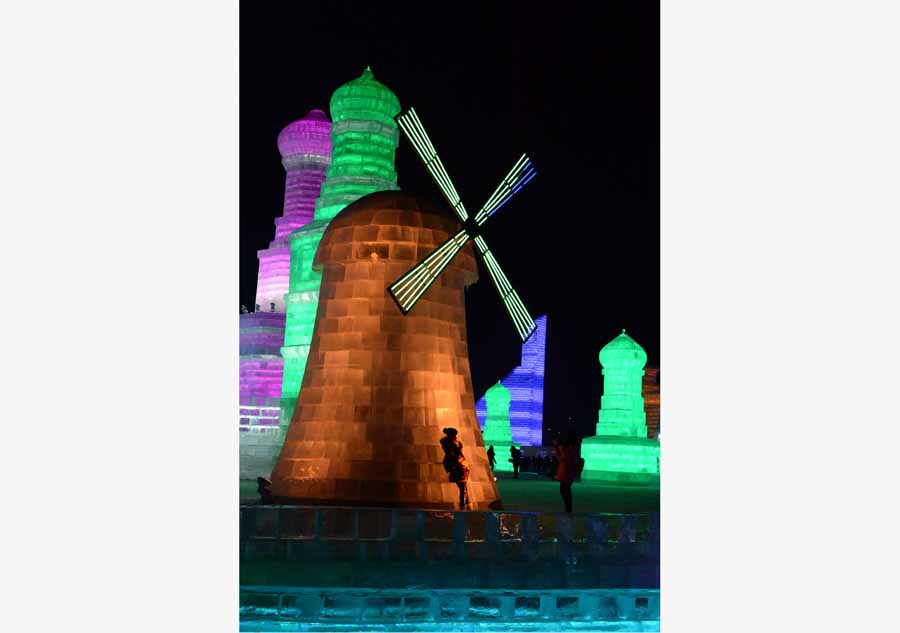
[{"x": 305, "y": 147}]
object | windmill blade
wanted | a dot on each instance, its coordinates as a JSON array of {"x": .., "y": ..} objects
[
  {"x": 518, "y": 177},
  {"x": 525, "y": 325},
  {"x": 411, "y": 125},
  {"x": 411, "y": 286}
]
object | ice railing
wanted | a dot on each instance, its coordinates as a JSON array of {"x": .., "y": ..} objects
[
  {"x": 347, "y": 533},
  {"x": 566, "y": 609}
]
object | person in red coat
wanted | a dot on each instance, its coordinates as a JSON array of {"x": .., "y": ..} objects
[
  {"x": 569, "y": 466},
  {"x": 456, "y": 465}
]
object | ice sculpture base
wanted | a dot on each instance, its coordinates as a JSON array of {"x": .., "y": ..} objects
[{"x": 620, "y": 459}]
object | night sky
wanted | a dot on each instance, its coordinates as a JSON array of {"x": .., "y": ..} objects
[{"x": 577, "y": 88}]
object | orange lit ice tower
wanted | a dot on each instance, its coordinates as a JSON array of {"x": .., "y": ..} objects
[
  {"x": 364, "y": 138},
  {"x": 621, "y": 450},
  {"x": 305, "y": 148},
  {"x": 497, "y": 431}
]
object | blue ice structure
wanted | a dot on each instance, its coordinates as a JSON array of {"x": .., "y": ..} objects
[{"x": 526, "y": 386}]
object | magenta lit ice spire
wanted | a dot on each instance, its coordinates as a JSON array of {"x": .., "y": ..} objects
[{"x": 305, "y": 147}]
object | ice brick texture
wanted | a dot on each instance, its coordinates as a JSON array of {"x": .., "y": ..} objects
[
  {"x": 379, "y": 386},
  {"x": 261, "y": 334}
]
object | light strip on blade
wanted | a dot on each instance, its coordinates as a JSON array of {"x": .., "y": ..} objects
[
  {"x": 521, "y": 307},
  {"x": 420, "y": 129},
  {"x": 520, "y": 326},
  {"x": 416, "y": 125},
  {"x": 503, "y": 287},
  {"x": 528, "y": 324},
  {"x": 507, "y": 288},
  {"x": 433, "y": 163},
  {"x": 512, "y": 188},
  {"x": 496, "y": 195},
  {"x": 404, "y": 283},
  {"x": 409, "y": 282},
  {"x": 426, "y": 267},
  {"x": 401, "y": 285},
  {"x": 429, "y": 276},
  {"x": 427, "y": 270},
  {"x": 424, "y": 135},
  {"x": 504, "y": 185},
  {"x": 491, "y": 212}
]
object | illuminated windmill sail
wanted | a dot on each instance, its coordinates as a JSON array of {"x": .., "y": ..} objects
[{"x": 407, "y": 290}]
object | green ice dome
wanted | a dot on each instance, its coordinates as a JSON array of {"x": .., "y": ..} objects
[
  {"x": 623, "y": 352},
  {"x": 365, "y": 98}
]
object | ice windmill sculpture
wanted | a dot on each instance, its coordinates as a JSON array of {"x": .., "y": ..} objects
[{"x": 407, "y": 290}]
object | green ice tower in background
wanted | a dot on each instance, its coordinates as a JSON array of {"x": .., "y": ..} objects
[
  {"x": 621, "y": 450},
  {"x": 497, "y": 432},
  {"x": 364, "y": 138}
]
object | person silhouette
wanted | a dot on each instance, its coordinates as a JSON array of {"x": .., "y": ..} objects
[
  {"x": 264, "y": 488},
  {"x": 569, "y": 467},
  {"x": 516, "y": 459},
  {"x": 456, "y": 465},
  {"x": 492, "y": 456}
]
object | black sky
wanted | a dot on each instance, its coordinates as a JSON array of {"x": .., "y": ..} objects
[{"x": 577, "y": 87}]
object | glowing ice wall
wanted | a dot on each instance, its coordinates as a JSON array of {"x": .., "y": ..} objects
[
  {"x": 526, "y": 386},
  {"x": 621, "y": 444},
  {"x": 364, "y": 138},
  {"x": 497, "y": 431}
]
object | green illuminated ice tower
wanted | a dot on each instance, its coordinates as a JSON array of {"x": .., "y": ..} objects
[
  {"x": 621, "y": 451},
  {"x": 497, "y": 432},
  {"x": 364, "y": 137}
]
